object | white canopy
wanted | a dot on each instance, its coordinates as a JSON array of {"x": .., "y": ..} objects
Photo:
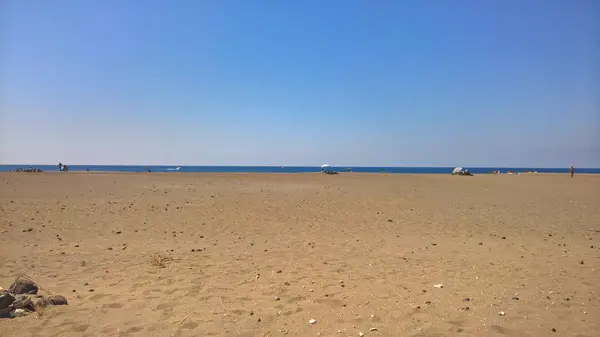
[
  {"x": 457, "y": 170},
  {"x": 324, "y": 166}
]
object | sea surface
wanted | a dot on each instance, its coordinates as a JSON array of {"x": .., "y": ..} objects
[{"x": 292, "y": 169}]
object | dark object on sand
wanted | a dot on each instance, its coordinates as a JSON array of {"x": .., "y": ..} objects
[
  {"x": 23, "y": 302},
  {"x": 6, "y": 299},
  {"x": 52, "y": 300},
  {"x": 23, "y": 286}
]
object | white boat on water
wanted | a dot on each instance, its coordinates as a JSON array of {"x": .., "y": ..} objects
[{"x": 174, "y": 169}]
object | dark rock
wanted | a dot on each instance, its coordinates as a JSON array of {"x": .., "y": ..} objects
[
  {"x": 24, "y": 302},
  {"x": 581, "y": 262},
  {"x": 5, "y": 313},
  {"x": 553, "y": 330},
  {"x": 23, "y": 286},
  {"x": 6, "y": 299},
  {"x": 52, "y": 300}
]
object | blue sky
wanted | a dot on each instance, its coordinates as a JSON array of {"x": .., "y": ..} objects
[{"x": 409, "y": 83}]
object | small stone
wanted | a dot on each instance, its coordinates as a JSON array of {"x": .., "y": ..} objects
[
  {"x": 581, "y": 262},
  {"x": 459, "y": 330},
  {"x": 515, "y": 298},
  {"x": 312, "y": 321},
  {"x": 504, "y": 238},
  {"x": 109, "y": 248},
  {"x": 118, "y": 232},
  {"x": 287, "y": 283},
  {"x": 361, "y": 334},
  {"x": 501, "y": 313},
  {"x": 76, "y": 246},
  {"x": 373, "y": 329},
  {"x": 481, "y": 243},
  {"x": 438, "y": 286},
  {"x": 277, "y": 298},
  {"x": 390, "y": 220},
  {"x": 91, "y": 290},
  {"x": 553, "y": 330},
  {"x": 279, "y": 271}
]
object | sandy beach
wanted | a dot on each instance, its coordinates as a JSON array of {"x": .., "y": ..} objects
[{"x": 262, "y": 254}]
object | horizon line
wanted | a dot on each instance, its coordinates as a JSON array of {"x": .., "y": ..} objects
[{"x": 346, "y": 166}]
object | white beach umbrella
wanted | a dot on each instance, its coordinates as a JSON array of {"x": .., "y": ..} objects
[{"x": 324, "y": 166}]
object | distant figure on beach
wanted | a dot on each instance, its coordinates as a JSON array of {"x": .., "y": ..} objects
[
  {"x": 571, "y": 171},
  {"x": 60, "y": 166}
]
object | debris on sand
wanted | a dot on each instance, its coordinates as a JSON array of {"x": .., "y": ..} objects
[
  {"x": 6, "y": 299},
  {"x": 18, "y": 300},
  {"x": 23, "y": 302},
  {"x": 18, "y": 313},
  {"x": 52, "y": 300},
  {"x": 23, "y": 285},
  {"x": 159, "y": 261}
]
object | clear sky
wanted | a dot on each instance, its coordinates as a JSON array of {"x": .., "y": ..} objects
[{"x": 249, "y": 82}]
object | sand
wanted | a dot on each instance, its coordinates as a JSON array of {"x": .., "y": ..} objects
[{"x": 262, "y": 254}]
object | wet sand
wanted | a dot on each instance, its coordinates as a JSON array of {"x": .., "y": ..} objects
[{"x": 262, "y": 254}]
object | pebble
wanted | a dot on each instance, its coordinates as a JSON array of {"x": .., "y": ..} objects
[
  {"x": 373, "y": 329},
  {"x": 438, "y": 285},
  {"x": 581, "y": 262},
  {"x": 312, "y": 321},
  {"x": 277, "y": 298},
  {"x": 501, "y": 313},
  {"x": 361, "y": 334}
]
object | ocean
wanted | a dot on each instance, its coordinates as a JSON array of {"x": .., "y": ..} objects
[{"x": 291, "y": 169}]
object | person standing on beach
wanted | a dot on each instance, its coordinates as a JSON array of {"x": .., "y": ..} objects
[
  {"x": 60, "y": 166},
  {"x": 571, "y": 171}
]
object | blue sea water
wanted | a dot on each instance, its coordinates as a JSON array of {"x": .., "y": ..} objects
[{"x": 291, "y": 169}]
